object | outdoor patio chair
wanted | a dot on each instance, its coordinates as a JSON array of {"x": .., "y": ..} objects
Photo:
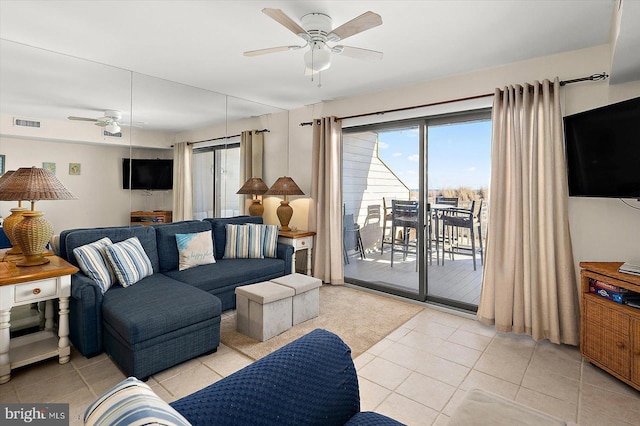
[
  {"x": 373, "y": 214},
  {"x": 452, "y": 201},
  {"x": 351, "y": 239},
  {"x": 404, "y": 214},
  {"x": 456, "y": 219},
  {"x": 386, "y": 211}
]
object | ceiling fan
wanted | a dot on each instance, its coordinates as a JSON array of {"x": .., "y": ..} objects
[
  {"x": 109, "y": 121},
  {"x": 315, "y": 30}
]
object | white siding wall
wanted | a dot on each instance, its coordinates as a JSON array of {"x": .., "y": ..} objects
[{"x": 366, "y": 181}]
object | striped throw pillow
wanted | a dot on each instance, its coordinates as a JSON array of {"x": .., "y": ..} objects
[
  {"x": 91, "y": 261},
  {"x": 132, "y": 402},
  {"x": 237, "y": 245},
  {"x": 245, "y": 241},
  {"x": 256, "y": 241},
  {"x": 129, "y": 261},
  {"x": 270, "y": 240}
]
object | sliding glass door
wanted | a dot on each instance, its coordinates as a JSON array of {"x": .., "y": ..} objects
[
  {"x": 459, "y": 154},
  {"x": 383, "y": 174},
  {"x": 216, "y": 171},
  {"x": 415, "y": 203}
]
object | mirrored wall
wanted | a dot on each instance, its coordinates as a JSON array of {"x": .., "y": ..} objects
[{"x": 40, "y": 90}]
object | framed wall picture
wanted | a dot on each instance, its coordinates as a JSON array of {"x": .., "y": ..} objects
[
  {"x": 51, "y": 167},
  {"x": 1, "y": 164},
  {"x": 74, "y": 169}
]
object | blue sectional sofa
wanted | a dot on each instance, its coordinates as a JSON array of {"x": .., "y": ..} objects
[
  {"x": 170, "y": 316},
  {"x": 310, "y": 381}
]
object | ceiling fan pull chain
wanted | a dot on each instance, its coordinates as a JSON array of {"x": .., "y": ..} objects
[{"x": 312, "y": 67}]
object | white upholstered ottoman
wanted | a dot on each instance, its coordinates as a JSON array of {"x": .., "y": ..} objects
[
  {"x": 306, "y": 302},
  {"x": 263, "y": 310}
]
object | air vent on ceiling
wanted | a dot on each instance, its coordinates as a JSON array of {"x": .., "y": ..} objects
[
  {"x": 112, "y": 135},
  {"x": 23, "y": 122}
]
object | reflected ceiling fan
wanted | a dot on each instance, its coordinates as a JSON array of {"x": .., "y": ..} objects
[
  {"x": 110, "y": 120},
  {"x": 315, "y": 30}
]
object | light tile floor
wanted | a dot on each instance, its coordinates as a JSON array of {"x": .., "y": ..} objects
[{"x": 417, "y": 375}]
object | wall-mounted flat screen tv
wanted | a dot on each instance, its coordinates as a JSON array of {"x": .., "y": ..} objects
[
  {"x": 151, "y": 174},
  {"x": 603, "y": 151}
]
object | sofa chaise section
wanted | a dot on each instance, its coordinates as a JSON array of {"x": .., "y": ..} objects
[
  {"x": 85, "y": 303},
  {"x": 158, "y": 323}
]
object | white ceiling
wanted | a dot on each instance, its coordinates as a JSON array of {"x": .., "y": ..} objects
[{"x": 200, "y": 43}]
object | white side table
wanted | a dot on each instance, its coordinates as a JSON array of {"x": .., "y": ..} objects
[
  {"x": 26, "y": 285},
  {"x": 300, "y": 240}
]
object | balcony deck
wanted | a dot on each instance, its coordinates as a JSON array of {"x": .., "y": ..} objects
[{"x": 454, "y": 280}]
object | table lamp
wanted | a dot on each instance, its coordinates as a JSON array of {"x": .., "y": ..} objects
[
  {"x": 33, "y": 232},
  {"x": 255, "y": 187},
  {"x": 11, "y": 220},
  {"x": 284, "y": 186}
]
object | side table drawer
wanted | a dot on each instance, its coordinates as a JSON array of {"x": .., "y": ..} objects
[
  {"x": 306, "y": 243},
  {"x": 36, "y": 290}
]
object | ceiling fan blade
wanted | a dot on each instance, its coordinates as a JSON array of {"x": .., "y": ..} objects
[
  {"x": 81, "y": 118},
  {"x": 358, "y": 53},
  {"x": 284, "y": 20},
  {"x": 270, "y": 50},
  {"x": 102, "y": 123},
  {"x": 357, "y": 25}
]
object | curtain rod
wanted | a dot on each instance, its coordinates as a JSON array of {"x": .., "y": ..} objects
[
  {"x": 594, "y": 77},
  {"x": 226, "y": 137}
]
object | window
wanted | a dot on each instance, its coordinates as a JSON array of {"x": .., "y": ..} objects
[{"x": 216, "y": 177}]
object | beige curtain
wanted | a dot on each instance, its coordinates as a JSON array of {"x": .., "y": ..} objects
[
  {"x": 529, "y": 283},
  {"x": 182, "y": 182},
  {"x": 251, "y": 154},
  {"x": 325, "y": 210}
]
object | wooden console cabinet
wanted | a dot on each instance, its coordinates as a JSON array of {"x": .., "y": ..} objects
[
  {"x": 610, "y": 332},
  {"x": 151, "y": 218}
]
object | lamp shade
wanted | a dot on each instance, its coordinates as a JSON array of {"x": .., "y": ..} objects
[
  {"x": 6, "y": 176},
  {"x": 284, "y": 186},
  {"x": 33, "y": 184},
  {"x": 253, "y": 186}
]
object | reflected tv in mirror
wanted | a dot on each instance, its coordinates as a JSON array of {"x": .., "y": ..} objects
[
  {"x": 603, "y": 151},
  {"x": 150, "y": 174}
]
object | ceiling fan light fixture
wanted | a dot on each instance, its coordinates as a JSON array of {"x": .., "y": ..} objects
[
  {"x": 112, "y": 127},
  {"x": 317, "y": 60}
]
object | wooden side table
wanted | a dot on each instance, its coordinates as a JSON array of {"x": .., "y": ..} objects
[
  {"x": 300, "y": 240},
  {"x": 26, "y": 285}
]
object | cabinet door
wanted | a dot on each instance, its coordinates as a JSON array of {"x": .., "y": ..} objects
[
  {"x": 635, "y": 352},
  {"x": 606, "y": 338}
]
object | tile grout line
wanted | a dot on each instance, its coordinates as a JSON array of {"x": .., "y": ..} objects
[
  {"x": 525, "y": 372},
  {"x": 579, "y": 404},
  {"x": 84, "y": 380}
]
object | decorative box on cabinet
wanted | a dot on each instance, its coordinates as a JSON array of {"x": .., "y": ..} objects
[
  {"x": 610, "y": 331},
  {"x": 151, "y": 218}
]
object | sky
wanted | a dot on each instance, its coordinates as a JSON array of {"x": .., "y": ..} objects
[{"x": 459, "y": 155}]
